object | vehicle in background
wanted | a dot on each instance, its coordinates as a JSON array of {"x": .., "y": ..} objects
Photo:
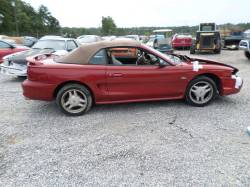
[
  {"x": 162, "y": 45},
  {"x": 182, "y": 41},
  {"x": 166, "y": 34},
  {"x": 92, "y": 75},
  {"x": 108, "y": 38},
  {"x": 85, "y": 39},
  {"x": 134, "y": 37},
  {"x": 161, "y": 40},
  {"x": 207, "y": 39},
  {"x": 152, "y": 38},
  {"x": 29, "y": 41},
  {"x": 245, "y": 44},
  {"x": 51, "y": 37},
  {"x": 144, "y": 38},
  {"x": 230, "y": 38},
  {"x": 16, "y": 63},
  {"x": 7, "y": 48}
]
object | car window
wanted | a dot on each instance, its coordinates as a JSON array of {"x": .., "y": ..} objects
[
  {"x": 122, "y": 55},
  {"x": 131, "y": 56},
  {"x": 4, "y": 45},
  {"x": 71, "y": 45},
  {"x": 100, "y": 58},
  {"x": 50, "y": 44}
]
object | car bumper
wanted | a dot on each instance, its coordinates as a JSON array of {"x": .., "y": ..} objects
[
  {"x": 181, "y": 44},
  {"x": 14, "y": 70},
  {"x": 232, "y": 85},
  {"x": 38, "y": 91}
]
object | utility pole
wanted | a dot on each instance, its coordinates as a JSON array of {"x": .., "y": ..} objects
[{"x": 16, "y": 21}]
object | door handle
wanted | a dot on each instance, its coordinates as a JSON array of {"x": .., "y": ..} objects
[{"x": 116, "y": 75}]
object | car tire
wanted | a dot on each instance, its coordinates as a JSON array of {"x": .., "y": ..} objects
[
  {"x": 247, "y": 54},
  {"x": 74, "y": 99},
  {"x": 217, "y": 51},
  {"x": 201, "y": 91},
  {"x": 192, "y": 50}
]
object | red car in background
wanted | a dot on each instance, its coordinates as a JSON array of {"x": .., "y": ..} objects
[
  {"x": 7, "y": 48},
  {"x": 181, "y": 41},
  {"x": 92, "y": 75}
]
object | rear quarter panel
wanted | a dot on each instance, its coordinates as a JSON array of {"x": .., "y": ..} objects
[{"x": 93, "y": 76}]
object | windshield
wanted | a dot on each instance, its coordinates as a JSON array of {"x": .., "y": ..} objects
[
  {"x": 50, "y": 44},
  {"x": 170, "y": 58}
]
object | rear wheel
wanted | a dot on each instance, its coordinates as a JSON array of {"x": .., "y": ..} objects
[
  {"x": 74, "y": 99},
  {"x": 192, "y": 50},
  {"x": 217, "y": 51},
  {"x": 247, "y": 54},
  {"x": 201, "y": 91}
]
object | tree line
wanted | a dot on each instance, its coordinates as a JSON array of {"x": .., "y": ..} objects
[{"x": 20, "y": 18}]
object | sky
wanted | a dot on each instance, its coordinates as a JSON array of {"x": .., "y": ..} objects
[{"x": 136, "y": 13}]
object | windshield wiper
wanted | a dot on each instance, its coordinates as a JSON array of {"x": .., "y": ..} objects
[
  {"x": 49, "y": 48},
  {"x": 183, "y": 57}
]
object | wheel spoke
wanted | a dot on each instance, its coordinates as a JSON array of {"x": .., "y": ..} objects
[
  {"x": 206, "y": 86},
  {"x": 82, "y": 100},
  {"x": 195, "y": 87},
  {"x": 207, "y": 90},
  {"x": 70, "y": 94},
  {"x": 81, "y": 105},
  {"x": 66, "y": 103},
  {"x": 202, "y": 98},
  {"x": 70, "y": 106},
  {"x": 74, "y": 93}
]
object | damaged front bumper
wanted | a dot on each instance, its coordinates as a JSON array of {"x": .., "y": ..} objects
[
  {"x": 238, "y": 81},
  {"x": 231, "y": 85}
]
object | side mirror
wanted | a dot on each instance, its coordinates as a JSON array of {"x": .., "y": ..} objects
[
  {"x": 162, "y": 63},
  {"x": 12, "y": 46}
]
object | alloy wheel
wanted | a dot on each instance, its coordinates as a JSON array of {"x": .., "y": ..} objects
[
  {"x": 74, "y": 101},
  {"x": 201, "y": 92}
]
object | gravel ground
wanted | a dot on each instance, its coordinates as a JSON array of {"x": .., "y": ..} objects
[{"x": 139, "y": 144}]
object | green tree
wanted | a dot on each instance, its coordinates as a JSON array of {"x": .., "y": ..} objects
[
  {"x": 29, "y": 21},
  {"x": 108, "y": 26}
]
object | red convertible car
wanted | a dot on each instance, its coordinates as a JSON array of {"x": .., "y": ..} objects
[{"x": 91, "y": 75}]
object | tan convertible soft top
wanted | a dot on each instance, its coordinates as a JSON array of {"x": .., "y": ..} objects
[{"x": 83, "y": 54}]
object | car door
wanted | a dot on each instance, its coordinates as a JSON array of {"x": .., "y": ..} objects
[{"x": 138, "y": 82}]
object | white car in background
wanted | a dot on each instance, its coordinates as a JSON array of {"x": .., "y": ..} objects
[
  {"x": 16, "y": 64},
  {"x": 85, "y": 39},
  {"x": 245, "y": 44}
]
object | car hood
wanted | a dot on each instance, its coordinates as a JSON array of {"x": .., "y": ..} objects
[
  {"x": 191, "y": 60},
  {"x": 206, "y": 61},
  {"x": 20, "y": 57}
]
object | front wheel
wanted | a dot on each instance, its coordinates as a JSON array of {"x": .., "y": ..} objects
[
  {"x": 74, "y": 99},
  {"x": 247, "y": 54},
  {"x": 201, "y": 91},
  {"x": 192, "y": 50}
]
